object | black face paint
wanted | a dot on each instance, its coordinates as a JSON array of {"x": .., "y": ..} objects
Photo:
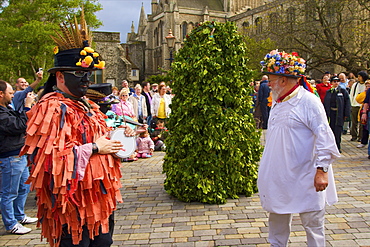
[{"x": 77, "y": 86}]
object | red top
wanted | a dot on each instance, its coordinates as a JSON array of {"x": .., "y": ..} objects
[{"x": 321, "y": 90}]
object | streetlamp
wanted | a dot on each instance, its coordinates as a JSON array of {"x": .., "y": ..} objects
[{"x": 171, "y": 44}]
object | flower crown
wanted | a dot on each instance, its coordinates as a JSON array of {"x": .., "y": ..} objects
[{"x": 283, "y": 63}]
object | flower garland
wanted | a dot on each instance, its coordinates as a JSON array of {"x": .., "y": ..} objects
[{"x": 283, "y": 63}]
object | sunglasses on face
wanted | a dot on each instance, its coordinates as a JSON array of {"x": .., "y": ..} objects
[{"x": 79, "y": 74}]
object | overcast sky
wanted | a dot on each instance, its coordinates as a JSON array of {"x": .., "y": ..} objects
[{"x": 118, "y": 15}]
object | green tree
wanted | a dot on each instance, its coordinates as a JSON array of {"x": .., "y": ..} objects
[
  {"x": 259, "y": 48},
  {"x": 325, "y": 32},
  {"x": 213, "y": 147},
  {"x": 25, "y": 28},
  {"x": 159, "y": 78}
]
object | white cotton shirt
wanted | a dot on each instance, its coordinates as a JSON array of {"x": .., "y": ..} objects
[{"x": 298, "y": 139}]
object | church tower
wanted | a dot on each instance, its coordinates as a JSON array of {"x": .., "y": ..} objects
[{"x": 143, "y": 21}]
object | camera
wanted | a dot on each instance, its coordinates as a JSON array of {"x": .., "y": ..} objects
[{"x": 40, "y": 69}]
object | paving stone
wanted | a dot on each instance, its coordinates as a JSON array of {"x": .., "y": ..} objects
[{"x": 151, "y": 217}]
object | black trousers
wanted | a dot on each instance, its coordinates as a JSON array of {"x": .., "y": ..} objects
[
  {"x": 102, "y": 240},
  {"x": 265, "y": 110},
  {"x": 337, "y": 129},
  {"x": 365, "y": 135}
]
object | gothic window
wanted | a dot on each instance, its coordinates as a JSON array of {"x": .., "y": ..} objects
[
  {"x": 156, "y": 40},
  {"x": 160, "y": 26},
  {"x": 258, "y": 23},
  {"x": 184, "y": 30},
  {"x": 273, "y": 21},
  {"x": 245, "y": 26},
  {"x": 190, "y": 27}
]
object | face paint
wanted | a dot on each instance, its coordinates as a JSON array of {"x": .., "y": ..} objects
[{"x": 77, "y": 86}]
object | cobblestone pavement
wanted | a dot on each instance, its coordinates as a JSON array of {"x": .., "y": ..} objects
[{"x": 150, "y": 217}]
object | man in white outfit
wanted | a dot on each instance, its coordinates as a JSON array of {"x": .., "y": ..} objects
[{"x": 295, "y": 173}]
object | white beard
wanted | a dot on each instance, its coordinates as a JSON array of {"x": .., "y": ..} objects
[{"x": 276, "y": 93}]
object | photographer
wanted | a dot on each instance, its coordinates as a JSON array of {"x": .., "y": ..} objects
[
  {"x": 14, "y": 170},
  {"x": 22, "y": 89}
]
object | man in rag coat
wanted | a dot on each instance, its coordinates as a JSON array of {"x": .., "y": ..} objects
[{"x": 75, "y": 175}]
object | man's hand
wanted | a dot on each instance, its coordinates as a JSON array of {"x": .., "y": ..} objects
[
  {"x": 39, "y": 75},
  {"x": 141, "y": 129},
  {"x": 106, "y": 146},
  {"x": 29, "y": 100},
  {"x": 363, "y": 118},
  {"x": 321, "y": 180}
]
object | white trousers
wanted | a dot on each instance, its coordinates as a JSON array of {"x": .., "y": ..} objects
[{"x": 313, "y": 223}]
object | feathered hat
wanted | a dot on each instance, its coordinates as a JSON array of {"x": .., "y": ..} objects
[{"x": 72, "y": 50}]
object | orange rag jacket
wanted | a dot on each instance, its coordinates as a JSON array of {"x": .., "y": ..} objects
[{"x": 55, "y": 126}]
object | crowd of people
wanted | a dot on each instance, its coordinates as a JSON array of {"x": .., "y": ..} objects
[
  {"x": 344, "y": 99},
  {"x": 147, "y": 105}
]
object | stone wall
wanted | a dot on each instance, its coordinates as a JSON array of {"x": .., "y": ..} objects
[{"x": 117, "y": 68}]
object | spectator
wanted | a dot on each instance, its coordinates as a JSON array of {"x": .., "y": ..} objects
[
  {"x": 154, "y": 89},
  {"x": 343, "y": 81},
  {"x": 22, "y": 89},
  {"x": 124, "y": 107},
  {"x": 148, "y": 99},
  {"x": 14, "y": 170},
  {"x": 351, "y": 76},
  {"x": 263, "y": 94},
  {"x": 125, "y": 85},
  {"x": 365, "y": 115},
  {"x": 145, "y": 145},
  {"x": 161, "y": 104},
  {"x": 139, "y": 104},
  {"x": 337, "y": 107},
  {"x": 115, "y": 93},
  {"x": 360, "y": 98},
  {"x": 328, "y": 74},
  {"x": 322, "y": 87},
  {"x": 159, "y": 135},
  {"x": 357, "y": 88}
]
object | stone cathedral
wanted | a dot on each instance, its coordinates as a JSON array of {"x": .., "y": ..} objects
[{"x": 146, "y": 52}]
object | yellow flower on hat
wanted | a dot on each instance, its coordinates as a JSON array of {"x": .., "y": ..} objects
[
  {"x": 101, "y": 65},
  {"x": 88, "y": 60},
  {"x": 56, "y": 49},
  {"x": 89, "y": 49}
]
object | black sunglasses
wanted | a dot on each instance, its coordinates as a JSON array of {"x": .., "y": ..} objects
[{"x": 79, "y": 74}]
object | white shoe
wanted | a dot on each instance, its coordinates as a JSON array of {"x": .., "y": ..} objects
[
  {"x": 361, "y": 145},
  {"x": 28, "y": 220},
  {"x": 19, "y": 229}
]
